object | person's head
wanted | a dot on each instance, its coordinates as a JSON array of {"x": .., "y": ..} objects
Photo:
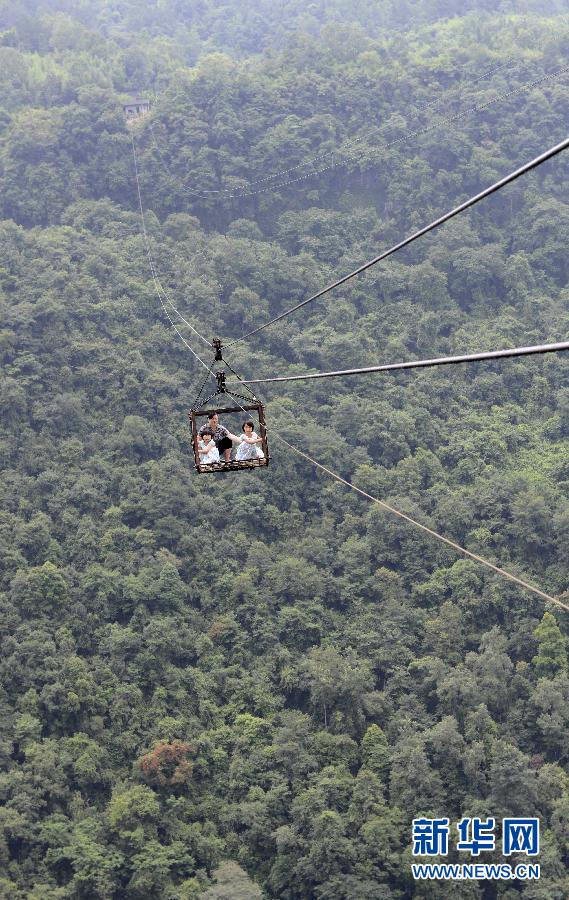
[
  {"x": 213, "y": 419},
  {"x": 207, "y": 434},
  {"x": 248, "y": 427}
]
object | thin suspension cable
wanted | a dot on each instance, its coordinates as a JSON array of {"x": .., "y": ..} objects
[
  {"x": 397, "y": 512},
  {"x": 241, "y": 380},
  {"x": 458, "y": 88},
  {"x": 243, "y": 193},
  {"x": 421, "y": 363},
  {"x": 183, "y": 339},
  {"x": 160, "y": 290},
  {"x": 194, "y": 404},
  {"x": 479, "y": 559},
  {"x": 159, "y": 287},
  {"x": 185, "y": 321},
  {"x": 498, "y": 185}
]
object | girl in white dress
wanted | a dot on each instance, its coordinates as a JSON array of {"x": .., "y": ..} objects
[
  {"x": 248, "y": 448},
  {"x": 206, "y": 448}
]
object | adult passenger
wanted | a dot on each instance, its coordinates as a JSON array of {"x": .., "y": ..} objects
[{"x": 222, "y": 437}]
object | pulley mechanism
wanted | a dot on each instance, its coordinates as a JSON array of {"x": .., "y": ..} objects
[{"x": 216, "y": 343}]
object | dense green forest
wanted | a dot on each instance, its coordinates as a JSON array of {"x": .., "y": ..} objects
[{"x": 248, "y": 685}]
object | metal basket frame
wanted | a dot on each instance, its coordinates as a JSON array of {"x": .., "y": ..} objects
[{"x": 234, "y": 464}]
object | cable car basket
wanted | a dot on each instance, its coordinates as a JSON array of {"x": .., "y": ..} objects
[{"x": 208, "y": 408}]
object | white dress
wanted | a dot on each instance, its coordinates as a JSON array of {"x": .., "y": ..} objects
[
  {"x": 248, "y": 451},
  {"x": 212, "y": 456}
]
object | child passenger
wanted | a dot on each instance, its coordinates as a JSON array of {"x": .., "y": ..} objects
[
  {"x": 248, "y": 448},
  {"x": 206, "y": 448}
]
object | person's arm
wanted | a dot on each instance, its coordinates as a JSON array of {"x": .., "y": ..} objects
[{"x": 232, "y": 437}]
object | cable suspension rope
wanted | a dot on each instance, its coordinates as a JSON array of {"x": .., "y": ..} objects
[
  {"x": 160, "y": 291},
  {"x": 243, "y": 193},
  {"x": 407, "y": 518},
  {"x": 479, "y": 559},
  {"x": 498, "y": 185},
  {"x": 184, "y": 341},
  {"x": 458, "y": 88},
  {"x": 197, "y": 400},
  {"x": 421, "y": 363},
  {"x": 241, "y": 380}
]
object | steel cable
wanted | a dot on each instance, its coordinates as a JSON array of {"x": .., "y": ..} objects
[
  {"x": 351, "y": 141},
  {"x": 479, "y": 559},
  {"x": 407, "y": 518},
  {"x": 160, "y": 291},
  {"x": 420, "y": 363},
  {"x": 243, "y": 193},
  {"x": 498, "y": 185}
]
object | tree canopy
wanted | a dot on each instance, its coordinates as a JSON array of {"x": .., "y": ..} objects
[{"x": 249, "y": 685}]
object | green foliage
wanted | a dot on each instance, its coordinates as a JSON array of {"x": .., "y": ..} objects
[
  {"x": 376, "y": 755},
  {"x": 132, "y": 806},
  {"x": 228, "y": 687},
  {"x": 230, "y": 883},
  {"x": 551, "y": 657}
]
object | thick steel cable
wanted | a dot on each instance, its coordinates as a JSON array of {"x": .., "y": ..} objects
[
  {"x": 160, "y": 290},
  {"x": 479, "y": 559},
  {"x": 498, "y": 185},
  {"x": 392, "y": 143},
  {"x": 420, "y": 363}
]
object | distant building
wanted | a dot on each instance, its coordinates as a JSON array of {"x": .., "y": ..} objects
[{"x": 136, "y": 107}]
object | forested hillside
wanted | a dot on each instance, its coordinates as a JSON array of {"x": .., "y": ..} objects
[{"x": 261, "y": 672}]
